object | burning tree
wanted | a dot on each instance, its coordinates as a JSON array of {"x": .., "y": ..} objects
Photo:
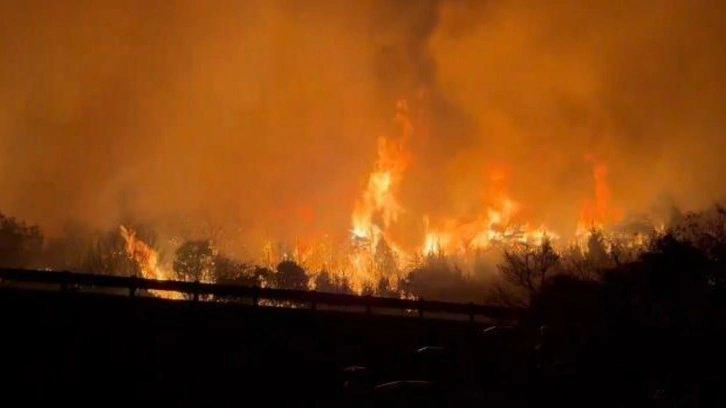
[
  {"x": 194, "y": 261},
  {"x": 107, "y": 255},
  {"x": 385, "y": 260}
]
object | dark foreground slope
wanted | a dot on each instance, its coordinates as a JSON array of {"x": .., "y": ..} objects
[
  {"x": 85, "y": 348},
  {"x": 92, "y": 349}
]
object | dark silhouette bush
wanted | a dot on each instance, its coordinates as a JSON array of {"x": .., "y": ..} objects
[
  {"x": 21, "y": 245},
  {"x": 194, "y": 261},
  {"x": 290, "y": 275}
]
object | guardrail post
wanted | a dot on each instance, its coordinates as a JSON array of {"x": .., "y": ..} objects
[
  {"x": 196, "y": 290},
  {"x": 64, "y": 281},
  {"x": 256, "y": 296},
  {"x": 421, "y": 307},
  {"x": 132, "y": 286},
  {"x": 471, "y": 312},
  {"x": 314, "y": 303},
  {"x": 368, "y": 305}
]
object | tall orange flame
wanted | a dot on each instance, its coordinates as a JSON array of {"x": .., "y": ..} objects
[
  {"x": 379, "y": 198},
  {"x": 378, "y": 206},
  {"x": 596, "y": 212},
  {"x": 147, "y": 259}
]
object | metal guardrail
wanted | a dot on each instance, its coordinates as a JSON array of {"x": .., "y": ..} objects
[{"x": 198, "y": 290}]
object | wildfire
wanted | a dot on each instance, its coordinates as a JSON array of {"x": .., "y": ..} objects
[
  {"x": 371, "y": 255},
  {"x": 496, "y": 226},
  {"x": 436, "y": 243},
  {"x": 370, "y": 258},
  {"x": 147, "y": 259},
  {"x": 379, "y": 198},
  {"x": 596, "y": 212},
  {"x": 378, "y": 206}
]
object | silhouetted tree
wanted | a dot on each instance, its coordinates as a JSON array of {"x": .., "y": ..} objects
[
  {"x": 324, "y": 283},
  {"x": 528, "y": 266},
  {"x": 588, "y": 263},
  {"x": 646, "y": 320},
  {"x": 194, "y": 260},
  {"x": 107, "y": 255},
  {"x": 621, "y": 252},
  {"x": 231, "y": 271},
  {"x": 290, "y": 275},
  {"x": 384, "y": 287},
  {"x": 672, "y": 278},
  {"x": 106, "y": 252},
  {"x": 385, "y": 259},
  {"x": 21, "y": 245},
  {"x": 597, "y": 253},
  {"x": 228, "y": 271},
  {"x": 707, "y": 232},
  {"x": 574, "y": 262},
  {"x": 439, "y": 278},
  {"x": 344, "y": 286},
  {"x": 264, "y": 277}
]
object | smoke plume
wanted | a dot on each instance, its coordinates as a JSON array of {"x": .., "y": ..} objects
[{"x": 262, "y": 116}]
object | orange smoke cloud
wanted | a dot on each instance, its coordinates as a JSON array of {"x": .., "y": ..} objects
[{"x": 262, "y": 116}]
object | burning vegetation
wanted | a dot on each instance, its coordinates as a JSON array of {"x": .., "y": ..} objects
[
  {"x": 374, "y": 261},
  {"x": 495, "y": 248},
  {"x": 519, "y": 131}
]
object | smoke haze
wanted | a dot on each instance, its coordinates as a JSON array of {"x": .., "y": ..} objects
[{"x": 262, "y": 116}]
